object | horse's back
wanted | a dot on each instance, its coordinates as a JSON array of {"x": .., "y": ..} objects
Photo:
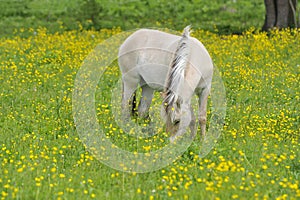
[
  {"x": 147, "y": 38},
  {"x": 147, "y": 53},
  {"x": 150, "y": 53}
]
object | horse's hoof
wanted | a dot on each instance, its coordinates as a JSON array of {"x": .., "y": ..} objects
[
  {"x": 150, "y": 131},
  {"x": 172, "y": 139}
]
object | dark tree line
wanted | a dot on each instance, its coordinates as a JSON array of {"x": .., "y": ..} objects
[{"x": 280, "y": 14}]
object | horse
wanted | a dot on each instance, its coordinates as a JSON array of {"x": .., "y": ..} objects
[{"x": 177, "y": 66}]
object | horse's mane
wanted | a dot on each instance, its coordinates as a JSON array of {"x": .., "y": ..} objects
[{"x": 177, "y": 69}]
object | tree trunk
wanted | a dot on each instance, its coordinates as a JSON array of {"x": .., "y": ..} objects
[
  {"x": 280, "y": 14},
  {"x": 292, "y": 13},
  {"x": 270, "y": 18}
]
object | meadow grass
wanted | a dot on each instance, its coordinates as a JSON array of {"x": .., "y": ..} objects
[
  {"x": 42, "y": 157},
  {"x": 223, "y": 16}
]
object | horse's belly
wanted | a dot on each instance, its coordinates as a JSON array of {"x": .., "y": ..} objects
[{"x": 153, "y": 75}]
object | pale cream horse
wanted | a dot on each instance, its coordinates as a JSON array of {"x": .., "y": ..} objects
[{"x": 179, "y": 66}]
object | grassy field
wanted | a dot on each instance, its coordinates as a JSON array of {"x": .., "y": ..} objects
[
  {"x": 222, "y": 16},
  {"x": 42, "y": 157}
]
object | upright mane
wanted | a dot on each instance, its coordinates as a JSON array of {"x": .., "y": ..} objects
[{"x": 177, "y": 69}]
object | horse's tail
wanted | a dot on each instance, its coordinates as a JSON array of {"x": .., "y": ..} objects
[{"x": 175, "y": 76}]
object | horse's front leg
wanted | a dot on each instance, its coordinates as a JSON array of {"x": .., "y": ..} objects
[
  {"x": 203, "y": 97},
  {"x": 193, "y": 123}
]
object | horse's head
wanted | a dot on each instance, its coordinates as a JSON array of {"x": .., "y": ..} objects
[{"x": 171, "y": 112}]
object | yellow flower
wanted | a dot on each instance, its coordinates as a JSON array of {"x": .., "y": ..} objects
[
  {"x": 20, "y": 170},
  {"x": 62, "y": 176},
  {"x": 265, "y": 167}
]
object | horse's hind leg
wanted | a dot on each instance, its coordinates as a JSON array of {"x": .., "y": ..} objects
[
  {"x": 203, "y": 97},
  {"x": 145, "y": 101},
  {"x": 129, "y": 87}
]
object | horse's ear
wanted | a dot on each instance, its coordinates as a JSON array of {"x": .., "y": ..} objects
[{"x": 163, "y": 95}]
